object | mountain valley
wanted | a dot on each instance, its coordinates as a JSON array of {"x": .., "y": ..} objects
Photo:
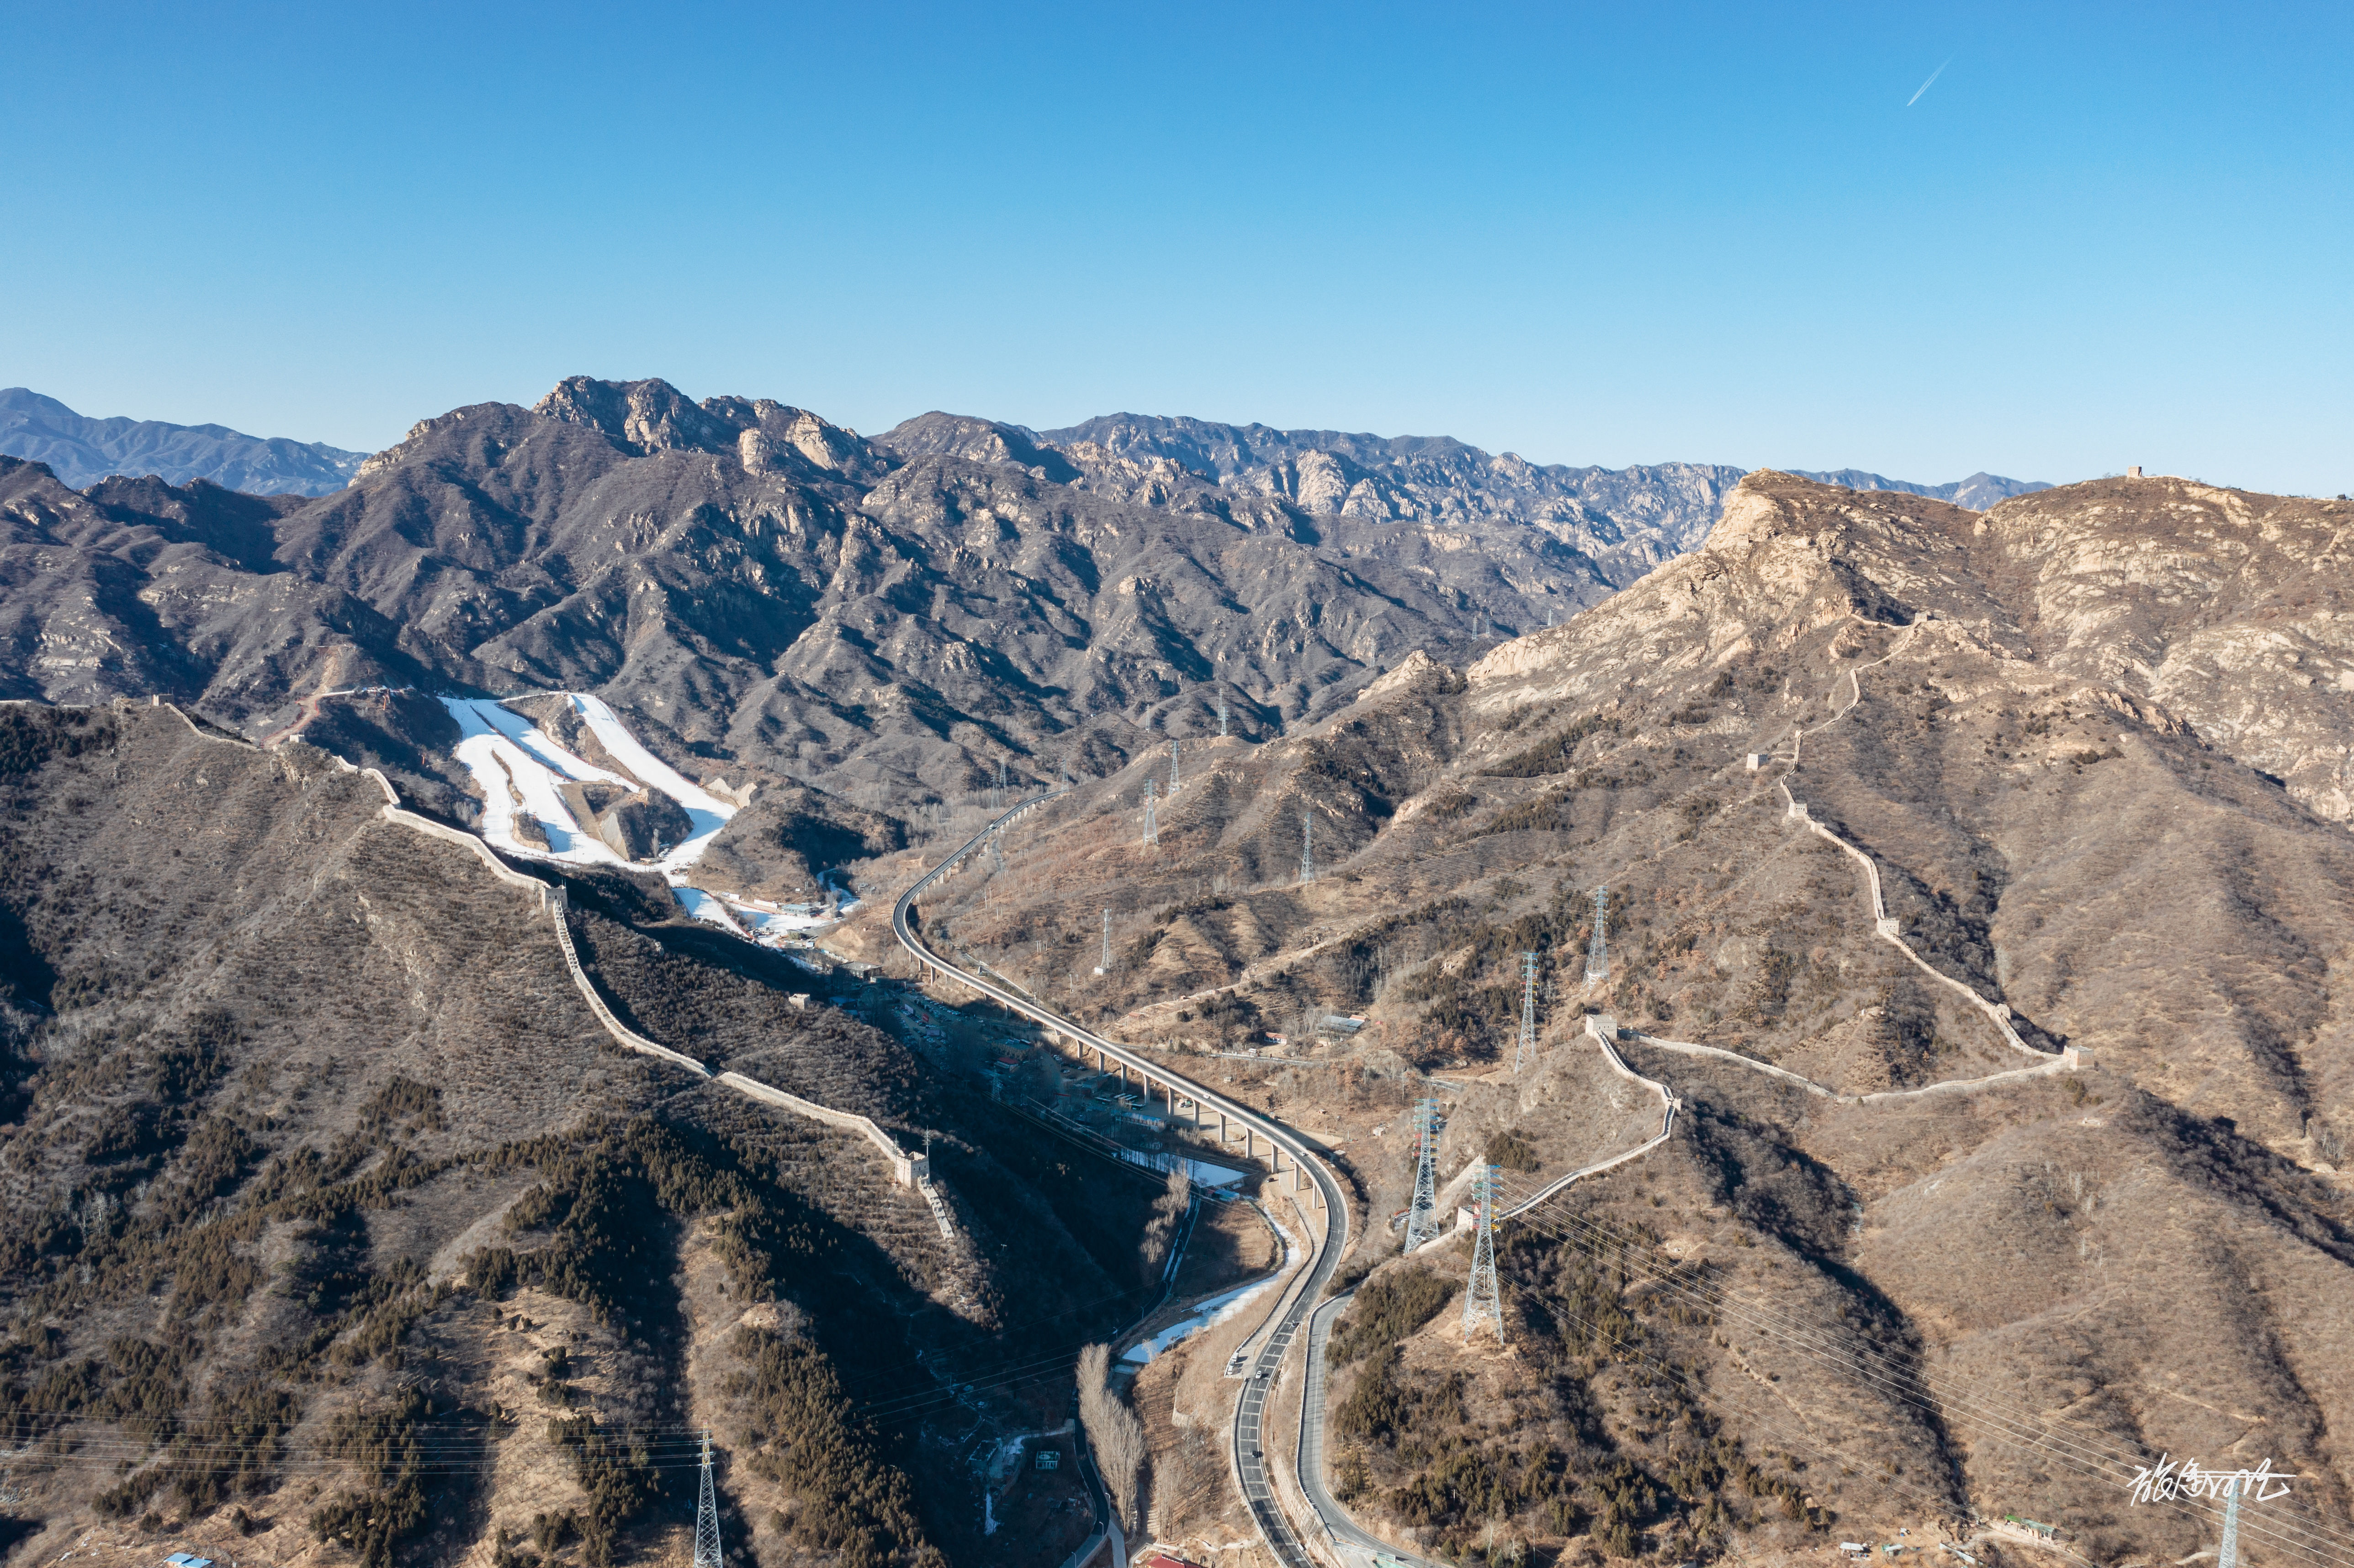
[{"x": 409, "y": 1167}]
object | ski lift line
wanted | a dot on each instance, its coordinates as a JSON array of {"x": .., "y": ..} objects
[{"x": 2000, "y": 1421}]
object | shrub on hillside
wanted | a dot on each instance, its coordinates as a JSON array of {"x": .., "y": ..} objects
[{"x": 1389, "y": 1310}]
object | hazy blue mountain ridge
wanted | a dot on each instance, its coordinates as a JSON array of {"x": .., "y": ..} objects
[
  {"x": 1978, "y": 492},
  {"x": 82, "y": 450}
]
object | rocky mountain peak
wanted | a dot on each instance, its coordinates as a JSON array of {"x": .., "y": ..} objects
[
  {"x": 975, "y": 440},
  {"x": 643, "y": 416},
  {"x": 652, "y": 416}
]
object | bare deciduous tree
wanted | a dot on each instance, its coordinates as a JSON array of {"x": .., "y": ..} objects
[
  {"x": 1168, "y": 1209},
  {"x": 1114, "y": 1433}
]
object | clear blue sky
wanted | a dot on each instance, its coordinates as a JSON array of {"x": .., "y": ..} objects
[{"x": 1586, "y": 234}]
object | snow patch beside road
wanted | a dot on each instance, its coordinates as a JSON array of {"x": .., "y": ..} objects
[{"x": 1216, "y": 1309}]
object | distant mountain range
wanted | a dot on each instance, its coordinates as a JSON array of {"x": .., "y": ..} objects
[
  {"x": 1434, "y": 479},
  {"x": 786, "y": 597},
  {"x": 82, "y": 450},
  {"x": 1978, "y": 492}
]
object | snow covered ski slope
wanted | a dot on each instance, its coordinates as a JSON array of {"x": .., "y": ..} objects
[
  {"x": 509, "y": 756},
  {"x": 521, "y": 772}
]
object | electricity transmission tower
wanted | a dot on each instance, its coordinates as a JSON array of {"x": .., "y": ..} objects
[
  {"x": 1598, "y": 957},
  {"x": 1422, "y": 1216},
  {"x": 1221, "y": 716},
  {"x": 1106, "y": 959},
  {"x": 997, "y": 848},
  {"x": 1484, "y": 1301},
  {"x": 706, "y": 1517},
  {"x": 1175, "y": 779},
  {"x": 1528, "y": 1011},
  {"x": 2227, "y": 1554},
  {"x": 1151, "y": 819},
  {"x": 1307, "y": 846}
]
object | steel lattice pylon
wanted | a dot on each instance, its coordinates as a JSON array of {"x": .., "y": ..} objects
[
  {"x": 2227, "y": 1554},
  {"x": 1222, "y": 717},
  {"x": 706, "y": 1517},
  {"x": 1422, "y": 1216},
  {"x": 1175, "y": 778},
  {"x": 1484, "y": 1301},
  {"x": 1151, "y": 818},
  {"x": 1528, "y": 1011},
  {"x": 1597, "y": 956},
  {"x": 1107, "y": 961},
  {"x": 1307, "y": 846}
]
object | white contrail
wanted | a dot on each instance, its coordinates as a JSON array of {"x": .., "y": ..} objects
[{"x": 1931, "y": 83}]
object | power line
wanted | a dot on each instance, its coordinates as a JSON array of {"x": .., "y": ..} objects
[
  {"x": 1483, "y": 1299},
  {"x": 1597, "y": 956},
  {"x": 706, "y": 1517},
  {"x": 1422, "y": 1213},
  {"x": 1528, "y": 1042}
]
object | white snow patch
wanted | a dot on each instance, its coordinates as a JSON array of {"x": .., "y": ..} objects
[
  {"x": 497, "y": 746},
  {"x": 509, "y": 754},
  {"x": 836, "y": 884},
  {"x": 1216, "y": 1309},
  {"x": 709, "y": 813},
  {"x": 774, "y": 925},
  {"x": 1203, "y": 1173},
  {"x": 703, "y": 906}
]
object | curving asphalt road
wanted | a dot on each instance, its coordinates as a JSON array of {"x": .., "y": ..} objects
[
  {"x": 1347, "y": 1537},
  {"x": 1248, "y": 1453}
]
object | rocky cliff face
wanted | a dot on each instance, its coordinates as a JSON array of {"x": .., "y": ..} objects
[
  {"x": 773, "y": 595},
  {"x": 1625, "y": 521},
  {"x": 769, "y": 594}
]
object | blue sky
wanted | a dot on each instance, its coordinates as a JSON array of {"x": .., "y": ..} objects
[{"x": 2104, "y": 236}]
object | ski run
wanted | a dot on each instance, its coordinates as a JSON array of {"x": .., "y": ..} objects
[{"x": 522, "y": 772}]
